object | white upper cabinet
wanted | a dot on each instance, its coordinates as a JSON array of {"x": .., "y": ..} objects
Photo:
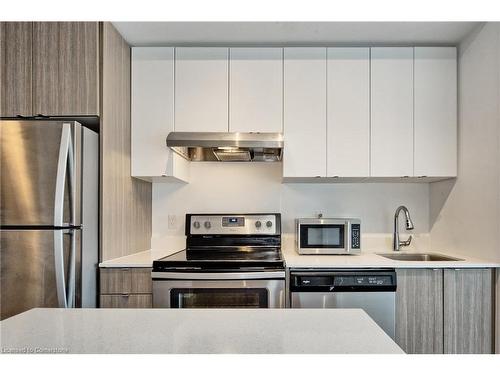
[
  {"x": 436, "y": 111},
  {"x": 391, "y": 112},
  {"x": 348, "y": 112},
  {"x": 201, "y": 89},
  {"x": 152, "y": 115},
  {"x": 304, "y": 112},
  {"x": 256, "y": 90}
]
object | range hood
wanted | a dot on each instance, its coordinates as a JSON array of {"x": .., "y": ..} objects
[{"x": 227, "y": 147}]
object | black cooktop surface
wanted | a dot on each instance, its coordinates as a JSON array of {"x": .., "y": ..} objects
[{"x": 222, "y": 259}]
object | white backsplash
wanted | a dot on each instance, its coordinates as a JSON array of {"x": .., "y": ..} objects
[{"x": 247, "y": 187}]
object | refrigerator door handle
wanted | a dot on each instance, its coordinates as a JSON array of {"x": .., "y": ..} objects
[
  {"x": 70, "y": 299},
  {"x": 64, "y": 164},
  {"x": 59, "y": 268}
]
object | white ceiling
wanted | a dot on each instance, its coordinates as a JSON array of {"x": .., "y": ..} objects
[{"x": 293, "y": 33}]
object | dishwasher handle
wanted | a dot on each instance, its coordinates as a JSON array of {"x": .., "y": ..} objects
[{"x": 370, "y": 281}]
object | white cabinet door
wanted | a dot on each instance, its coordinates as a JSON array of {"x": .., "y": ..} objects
[
  {"x": 256, "y": 90},
  {"x": 201, "y": 89},
  {"x": 304, "y": 112},
  {"x": 348, "y": 129},
  {"x": 152, "y": 112},
  {"x": 436, "y": 111},
  {"x": 391, "y": 111}
]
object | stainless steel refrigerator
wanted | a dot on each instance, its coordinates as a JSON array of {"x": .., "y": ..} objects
[{"x": 49, "y": 173}]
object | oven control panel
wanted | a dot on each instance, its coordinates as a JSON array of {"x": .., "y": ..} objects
[{"x": 267, "y": 224}]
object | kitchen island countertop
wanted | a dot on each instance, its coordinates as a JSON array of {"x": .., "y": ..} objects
[{"x": 272, "y": 331}]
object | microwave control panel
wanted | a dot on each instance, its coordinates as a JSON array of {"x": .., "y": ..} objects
[{"x": 355, "y": 236}]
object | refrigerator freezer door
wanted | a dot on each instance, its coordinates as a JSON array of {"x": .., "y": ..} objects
[
  {"x": 30, "y": 261},
  {"x": 38, "y": 170}
]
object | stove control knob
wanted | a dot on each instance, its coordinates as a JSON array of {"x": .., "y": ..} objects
[
  {"x": 196, "y": 224},
  {"x": 207, "y": 224},
  {"x": 269, "y": 224},
  {"x": 258, "y": 224}
]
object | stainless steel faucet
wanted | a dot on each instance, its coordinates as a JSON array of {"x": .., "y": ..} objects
[{"x": 397, "y": 244}]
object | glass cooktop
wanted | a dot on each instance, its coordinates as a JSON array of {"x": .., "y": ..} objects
[{"x": 222, "y": 258}]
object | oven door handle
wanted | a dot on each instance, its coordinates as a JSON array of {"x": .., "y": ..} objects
[{"x": 218, "y": 275}]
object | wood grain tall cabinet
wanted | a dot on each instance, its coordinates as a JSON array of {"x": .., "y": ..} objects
[{"x": 125, "y": 201}]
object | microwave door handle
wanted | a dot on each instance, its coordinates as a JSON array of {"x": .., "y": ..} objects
[{"x": 347, "y": 237}]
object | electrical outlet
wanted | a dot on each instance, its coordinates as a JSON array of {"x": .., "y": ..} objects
[{"x": 172, "y": 222}]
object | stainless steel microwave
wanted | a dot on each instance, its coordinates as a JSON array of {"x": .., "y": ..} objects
[{"x": 328, "y": 236}]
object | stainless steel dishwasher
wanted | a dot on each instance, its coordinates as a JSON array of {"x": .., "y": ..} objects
[{"x": 372, "y": 290}]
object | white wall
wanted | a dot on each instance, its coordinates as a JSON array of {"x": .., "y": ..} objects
[
  {"x": 465, "y": 214},
  {"x": 241, "y": 187}
]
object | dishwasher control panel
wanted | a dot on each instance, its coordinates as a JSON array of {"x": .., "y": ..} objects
[
  {"x": 362, "y": 280},
  {"x": 333, "y": 281}
]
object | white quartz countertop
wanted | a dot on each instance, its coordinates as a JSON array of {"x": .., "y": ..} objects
[
  {"x": 373, "y": 260},
  {"x": 141, "y": 259},
  {"x": 294, "y": 260},
  {"x": 195, "y": 331}
]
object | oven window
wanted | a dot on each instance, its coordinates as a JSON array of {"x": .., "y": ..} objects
[
  {"x": 322, "y": 236},
  {"x": 219, "y": 298}
]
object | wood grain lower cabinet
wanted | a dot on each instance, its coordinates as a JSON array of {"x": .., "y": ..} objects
[
  {"x": 468, "y": 311},
  {"x": 126, "y": 288},
  {"x": 15, "y": 68},
  {"x": 447, "y": 311},
  {"x": 419, "y": 310},
  {"x": 127, "y": 301},
  {"x": 126, "y": 280}
]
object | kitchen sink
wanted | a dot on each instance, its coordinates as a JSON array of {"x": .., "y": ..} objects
[{"x": 421, "y": 257}]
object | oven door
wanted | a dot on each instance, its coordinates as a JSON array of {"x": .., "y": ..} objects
[{"x": 218, "y": 290}]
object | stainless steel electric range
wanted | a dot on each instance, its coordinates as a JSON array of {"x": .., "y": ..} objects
[{"x": 230, "y": 261}]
